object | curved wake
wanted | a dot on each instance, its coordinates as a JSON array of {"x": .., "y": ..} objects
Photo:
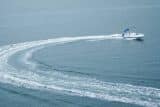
[{"x": 72, "y": 85}]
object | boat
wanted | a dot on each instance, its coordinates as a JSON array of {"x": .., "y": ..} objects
[{"x": 128, "y": 34}]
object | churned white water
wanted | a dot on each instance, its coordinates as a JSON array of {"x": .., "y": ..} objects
[{"x": 68, "y": 84}]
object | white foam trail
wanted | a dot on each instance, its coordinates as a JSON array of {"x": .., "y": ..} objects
[
  {"x": 72, "y": 85},
  {"x": 28, "y": 56}
]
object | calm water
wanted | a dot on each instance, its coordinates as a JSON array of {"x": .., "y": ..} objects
[{"x": 79, "y": 72}]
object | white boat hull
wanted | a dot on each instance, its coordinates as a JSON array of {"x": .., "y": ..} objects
[{"x": 136, "y": 36}]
